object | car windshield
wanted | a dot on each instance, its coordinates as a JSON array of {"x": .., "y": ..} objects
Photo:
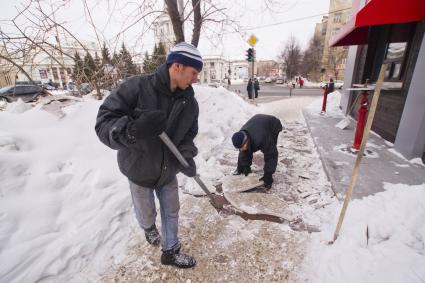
[{"x": 5, "y": 89}]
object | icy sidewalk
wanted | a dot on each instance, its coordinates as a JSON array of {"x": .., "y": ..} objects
[
  {"x": 228, "y": 248},
  {"x": 380, "y": 164}
]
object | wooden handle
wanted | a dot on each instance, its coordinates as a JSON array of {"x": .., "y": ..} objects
[{"x": 355, "y": 173}]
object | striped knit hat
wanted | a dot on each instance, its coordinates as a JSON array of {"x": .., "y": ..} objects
[{"x": 186, "y": 54}]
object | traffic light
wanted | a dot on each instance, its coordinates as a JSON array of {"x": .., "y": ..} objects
[{"x": 250, "y": 55}]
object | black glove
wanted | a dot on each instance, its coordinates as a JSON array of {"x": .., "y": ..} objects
[
  {"x": 242, "y": 170},
  {"x": 268, "y": 180},
  {"x": 191, "y": 170},
  {"x": 149, "y": 124}
]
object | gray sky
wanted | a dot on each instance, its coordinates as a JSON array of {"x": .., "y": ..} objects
[{"x": 272, "y": 28}]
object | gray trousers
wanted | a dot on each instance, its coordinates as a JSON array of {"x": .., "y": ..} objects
[{"x": 169, "y": 205}]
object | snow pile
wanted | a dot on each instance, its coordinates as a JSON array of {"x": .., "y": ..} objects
[
  {"x": 332, "y": 106},
  {"x": 63, "y": 204},
  {"x": 221, "y": 113},
  {"x": 394, "y": 249},
  {"x": 18, "y": 107}
]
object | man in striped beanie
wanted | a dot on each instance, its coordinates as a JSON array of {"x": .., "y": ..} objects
[{"x": 130, "y": 120}]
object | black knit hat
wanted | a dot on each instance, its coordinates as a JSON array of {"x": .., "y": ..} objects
[{"x": 239, "y": 139}]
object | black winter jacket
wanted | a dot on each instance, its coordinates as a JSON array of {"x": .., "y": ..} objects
[
  {"x": 262, "y": 131},
  {"x": 148, "y": 162}
]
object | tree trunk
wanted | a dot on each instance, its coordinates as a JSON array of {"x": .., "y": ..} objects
[
  {"x": 197, "y": 22},
  {"x": 173, "y": 12}
]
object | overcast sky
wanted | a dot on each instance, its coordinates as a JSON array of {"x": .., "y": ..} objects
[{"x": 272, "y": 28}]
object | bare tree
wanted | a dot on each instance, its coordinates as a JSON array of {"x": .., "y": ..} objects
[
  {"x": 200, "y": 12},
  {"x": 311, "y": 59},
  {"x": 335, "y": 59},
  {"x": 34, "y": 35},
  {"x": 291, "y": 57}
]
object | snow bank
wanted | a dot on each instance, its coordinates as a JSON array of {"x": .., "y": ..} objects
[
  {"x": 63, "y": 204},
  {"x": 221, "y": 113},
  {"x": 395, "y": 250},
  {"x": 332, "y": 106},
  {"x": 65, "y": 209}
]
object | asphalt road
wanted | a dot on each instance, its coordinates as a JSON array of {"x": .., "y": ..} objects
[{"x": 273, "y": 92}]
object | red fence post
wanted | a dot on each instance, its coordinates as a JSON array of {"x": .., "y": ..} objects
[
  {"x": 361, "y": 121},
  {"x": 325, "y": 97}
]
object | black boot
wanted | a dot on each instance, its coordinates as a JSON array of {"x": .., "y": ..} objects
[
  {"x": 174, "y": 257},
  {"x": 152, "y": 235}
]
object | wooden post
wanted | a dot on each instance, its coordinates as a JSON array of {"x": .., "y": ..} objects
[{"x": 355, "y": 173}]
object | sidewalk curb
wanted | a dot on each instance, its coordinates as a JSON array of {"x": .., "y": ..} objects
[{"x": 324, "y": 164}]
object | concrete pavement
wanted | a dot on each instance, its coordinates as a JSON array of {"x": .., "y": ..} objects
[{"x": 379, "y": 165}]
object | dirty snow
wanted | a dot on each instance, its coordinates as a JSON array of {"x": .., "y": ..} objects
[{"x": 394, "y": 250}]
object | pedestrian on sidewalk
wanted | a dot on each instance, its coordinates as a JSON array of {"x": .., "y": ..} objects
[
  {"x": 249, "y": 89},
  {"x": 259, "y": 133},
  {"x": 256, "y": 87},
  {"x": 130, "y": 120}
]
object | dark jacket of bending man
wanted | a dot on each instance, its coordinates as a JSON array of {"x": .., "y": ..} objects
[{"x": 259, "y": 133}]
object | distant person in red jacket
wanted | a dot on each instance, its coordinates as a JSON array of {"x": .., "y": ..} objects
[{"x": 301, "y": 81}]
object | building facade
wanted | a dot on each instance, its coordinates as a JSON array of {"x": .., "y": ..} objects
[
  {"x": 163, "y": 31},
  {"x": 334, "y": 58},
  {"x": 215, "y": 68},
  {"x": 378, "y": 36},
  {"x": 54, "y": 67}
]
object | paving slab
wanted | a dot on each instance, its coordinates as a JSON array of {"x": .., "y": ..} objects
[
  {"x": 241, "y": 183},
  {"x": 260, "y": 203}
]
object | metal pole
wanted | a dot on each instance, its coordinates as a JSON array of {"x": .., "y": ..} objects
[{"x": 252, "y": 75}]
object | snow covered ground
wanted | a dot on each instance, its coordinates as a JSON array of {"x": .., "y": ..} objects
[{"x": 66, "y": 213}]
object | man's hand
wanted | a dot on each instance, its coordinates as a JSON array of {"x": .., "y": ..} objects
[
  {"x": 149, "y": 124},
  {"x": 268, "y": 180},
  {"x": 191, "y": 170},
  {"x": 242, "y": 170}
]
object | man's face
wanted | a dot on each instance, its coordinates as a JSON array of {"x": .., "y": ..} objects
[
  {"x": 244, "y": 147},
  {"x": 186, "y": 76}
]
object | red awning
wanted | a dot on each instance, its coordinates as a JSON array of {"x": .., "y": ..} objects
[{"x": 378, "y": 12}]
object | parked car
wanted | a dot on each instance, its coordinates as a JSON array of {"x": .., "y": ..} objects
[
  {"x": 48, "y": 87},
  {"x": 337, "y": 84},
  {"x": 28, "y": 93},
  {"x": 85, "y": 88},
  {"x": 268, "y": 80},
  {"x": 280, "y": 81},
  {"x": 215, "y": 83}
]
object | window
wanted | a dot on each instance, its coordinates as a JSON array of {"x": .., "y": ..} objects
[
  {"x": 337, "y": 17},
  {"x": 394, "y": 56},
  {"x": 334, "y": 31},
  {"x": 55, "y": 74},
  {"x": 43, "y": 74}
]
